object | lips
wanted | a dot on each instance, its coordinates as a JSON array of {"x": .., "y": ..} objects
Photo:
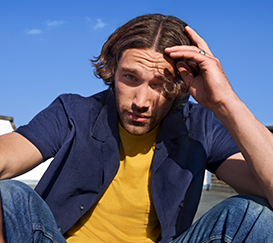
[{"x": 138, "y": 117}]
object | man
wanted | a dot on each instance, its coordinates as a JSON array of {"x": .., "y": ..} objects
[{"x": 129, "y": 162}]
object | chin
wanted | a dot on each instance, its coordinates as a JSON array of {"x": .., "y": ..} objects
[{"x": 136, "y": 130}]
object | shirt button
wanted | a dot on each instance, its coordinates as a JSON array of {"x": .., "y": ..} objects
[
  {"x": 81, "y": 207},
  {"x": 60, "y": 229}
]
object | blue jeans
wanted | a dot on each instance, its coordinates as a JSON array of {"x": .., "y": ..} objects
[
  {"x": 238, "y": 219},
  {"x": 27, "y": 218}
]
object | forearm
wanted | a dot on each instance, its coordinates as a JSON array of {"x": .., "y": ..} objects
[{"x": 253, "y": 139}]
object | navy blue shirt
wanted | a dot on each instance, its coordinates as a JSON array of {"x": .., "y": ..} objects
[{"x": 81, "y": 133}]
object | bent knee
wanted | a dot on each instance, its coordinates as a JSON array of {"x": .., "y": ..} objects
[
  {"x": 247, "y": 204},
  {"x": 13, "y": 184},
  {"x": 245, "y": 200},
  {"x": 13, "y": 188}
]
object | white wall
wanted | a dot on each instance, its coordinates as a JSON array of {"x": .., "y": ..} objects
[
  {"x": 5, "y": 126},
  {"x": 33, "y": 176}
]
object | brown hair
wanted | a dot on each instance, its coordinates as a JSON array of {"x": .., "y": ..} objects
[{"x": 154, "y": 31}]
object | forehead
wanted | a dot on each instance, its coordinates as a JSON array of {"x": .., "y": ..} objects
[{"x": 147, "y": 60}]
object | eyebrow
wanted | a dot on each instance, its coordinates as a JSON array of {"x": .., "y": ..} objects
[
  {"x": 136, "y": 72},
  {"x": 130, "y": 70}
]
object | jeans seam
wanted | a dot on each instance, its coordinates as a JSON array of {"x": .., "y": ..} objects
[
  {"x": 227, "y": 239},
  {"x": 42, "y": 229}
]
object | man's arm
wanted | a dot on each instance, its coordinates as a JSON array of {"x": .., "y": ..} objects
[
  {"x": 256, "y": 144},
  {"x": 17, "y": 155},
  {"x": 252, "y": 173},
  {"x": 236, "y": 172}
]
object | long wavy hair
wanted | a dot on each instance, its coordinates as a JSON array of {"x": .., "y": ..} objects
[{"x": 152, "y": 31}]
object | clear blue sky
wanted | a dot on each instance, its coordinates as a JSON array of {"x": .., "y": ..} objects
[{"x": 45, "y": 46}]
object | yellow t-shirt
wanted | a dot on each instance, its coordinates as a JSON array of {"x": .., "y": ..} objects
[{"x": 125, "y": 212}]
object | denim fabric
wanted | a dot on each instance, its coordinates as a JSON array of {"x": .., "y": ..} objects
[
  {"x": 26, "y": 217},
  {"x": 237, "y": 219}
]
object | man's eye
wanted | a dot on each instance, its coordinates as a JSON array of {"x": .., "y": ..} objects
[
  {"x": 131, "y": 77},
  {"x": 156, "y": 85}
]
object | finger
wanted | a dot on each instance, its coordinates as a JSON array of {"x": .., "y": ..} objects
[
  {"x": 197, "y": 40},
  {"x": 187, "y": 52},
  {"x": 185, "y": 73},
  {"x": 181, "y": 48}
]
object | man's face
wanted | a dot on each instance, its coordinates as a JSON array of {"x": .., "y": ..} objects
[{"x": 138, "y": 84}]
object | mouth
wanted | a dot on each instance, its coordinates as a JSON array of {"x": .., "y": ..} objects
[{"x": 138, "y": 117}]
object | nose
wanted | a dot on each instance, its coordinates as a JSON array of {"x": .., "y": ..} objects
[{"x": 142, "y": 99}]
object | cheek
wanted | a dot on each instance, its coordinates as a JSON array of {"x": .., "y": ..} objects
[
  {"x": 164, "y": 107},
  {"x": 120, "y": 86},
  {"x": 123, "y": 94},
  {"x": 125, "y": 89},
  {"x": 118, "y": 90}
]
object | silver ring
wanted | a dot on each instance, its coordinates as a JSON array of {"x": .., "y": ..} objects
[{"x": 202, "y": 52}]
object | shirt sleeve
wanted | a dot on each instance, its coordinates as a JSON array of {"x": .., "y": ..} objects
[
  {"x": 220, "y": 144},
  {"x": 206, "y": 128},
  {"x": 49, "y": 129}
]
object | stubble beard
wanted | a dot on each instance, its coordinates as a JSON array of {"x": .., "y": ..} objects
[{"x": 135, "y": 127}]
